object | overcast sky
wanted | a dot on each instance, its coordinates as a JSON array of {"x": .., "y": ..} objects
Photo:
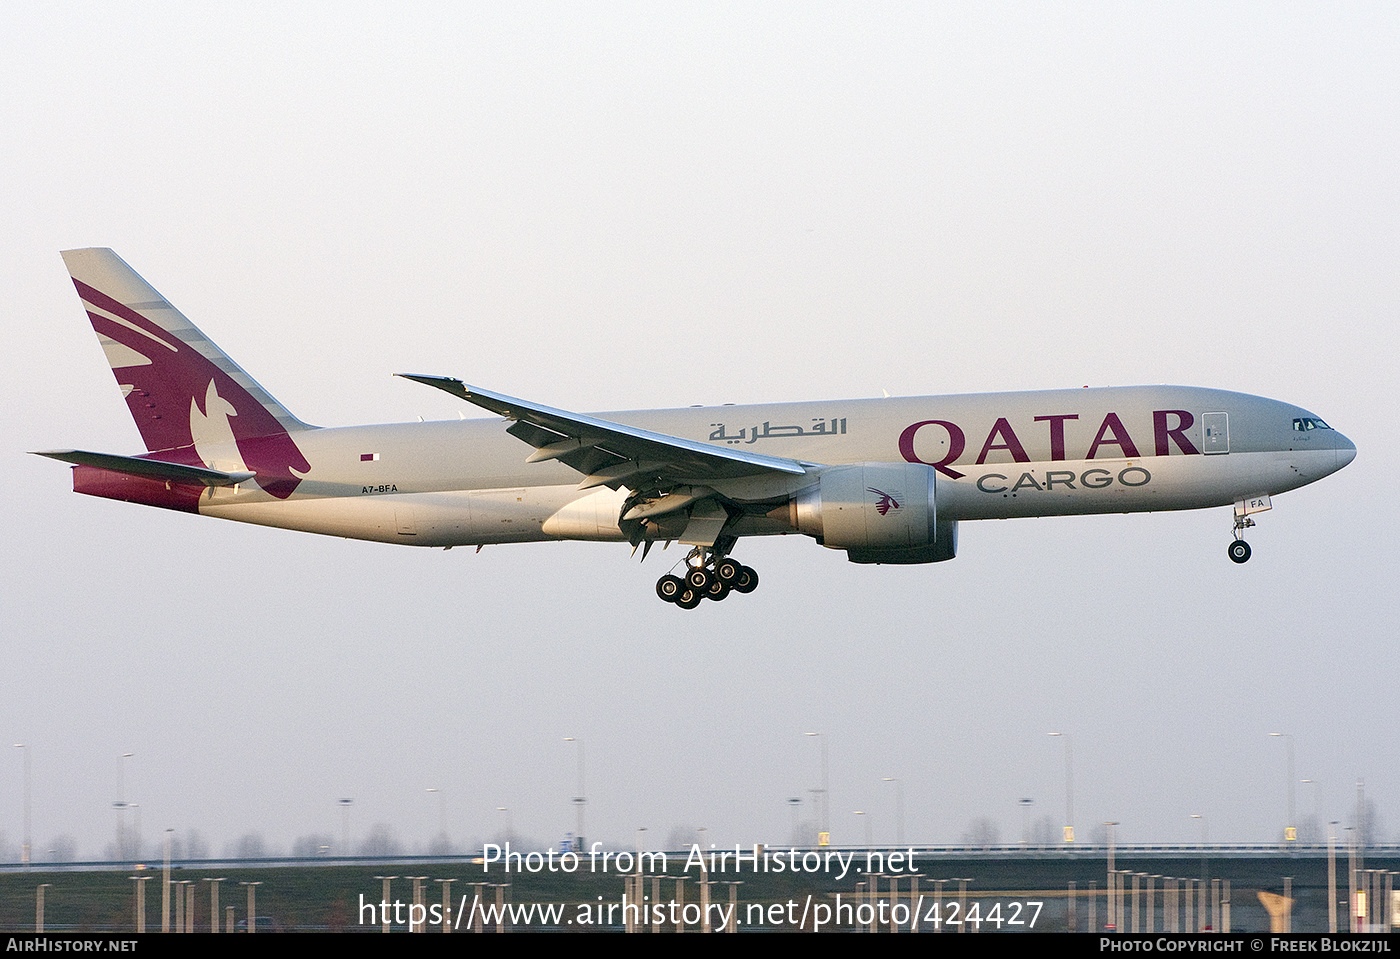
[{"x": 617, "y": 206}]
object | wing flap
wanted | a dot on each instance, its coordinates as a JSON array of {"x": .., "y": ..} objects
[
  {"x": 707, "y": 521},
  {"x": 535, "y": 435}
]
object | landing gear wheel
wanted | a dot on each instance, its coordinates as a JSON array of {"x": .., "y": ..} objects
[
  {"x": 708, "y": 573},
  {"x": 669, "y": 588},
  {"x": 746, "y": 581},
  {"x": 718, "y": 590},
  {"x": 1239, "y": 551}
]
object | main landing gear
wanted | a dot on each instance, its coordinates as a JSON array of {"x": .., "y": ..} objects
[
  {"x": 707, "y": 576},
  {"x": 1239, "y": 549}
]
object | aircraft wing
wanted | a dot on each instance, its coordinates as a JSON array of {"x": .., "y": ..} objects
[{"x": 612, "y": 454}]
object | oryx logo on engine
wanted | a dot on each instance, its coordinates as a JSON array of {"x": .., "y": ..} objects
[{"x": 885, "y": 503}]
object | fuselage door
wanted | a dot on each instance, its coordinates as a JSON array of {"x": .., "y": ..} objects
[{"x": 1215, "y": 432}]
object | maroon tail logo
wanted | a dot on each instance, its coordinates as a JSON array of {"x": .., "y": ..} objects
[
  {"x": 885, "y": 503},
  {"x": 174, "y": 392}
]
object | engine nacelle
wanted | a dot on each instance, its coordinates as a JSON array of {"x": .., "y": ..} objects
[
  {"x": 871, "y": 508},
  {"x": 945, "y": 547}
]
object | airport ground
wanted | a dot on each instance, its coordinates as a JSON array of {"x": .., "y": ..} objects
[{"x": 1006, "y": 890}]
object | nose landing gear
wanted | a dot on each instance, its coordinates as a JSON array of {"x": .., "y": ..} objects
[
  {"x": 707, "y": 576},
  {"x": 1239, "y": 551}
]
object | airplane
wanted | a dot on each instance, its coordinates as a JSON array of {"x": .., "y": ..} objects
[{"x": 886, "y": 480}]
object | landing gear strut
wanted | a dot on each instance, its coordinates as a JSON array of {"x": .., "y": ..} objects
[
  {"x": 1239, "y": 549},
  {"x": 708, "y": 575}
]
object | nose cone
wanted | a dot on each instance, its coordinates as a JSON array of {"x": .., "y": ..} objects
[{"x": 1346, "y": 451}]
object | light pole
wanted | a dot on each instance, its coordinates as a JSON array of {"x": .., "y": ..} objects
[
  {"x": 1069, "y": 789},
  {"x": 25, "y": 852},
  {"x": 121, "y": 806},
  {"x": 165, "y": 887},
  {"x": 824, "y": 795},
  {"x": 635, "y": 880},
  {"x": 869, "y": 842},
  {"x": 1112, "y": 879},
  {"x": 581, "y": 797},
  {"x": 345, "y": 805},
  {"x": 898, "y": 809},
  {"x": 1313, "y": 784},
  {"x": 1025, "y": 805},
  {"x": 1290, "y": 828},
  {"x": 136, "y": 832},
  {"x": 1331, "y": 876},
  {"x": 442, "y": 818}
]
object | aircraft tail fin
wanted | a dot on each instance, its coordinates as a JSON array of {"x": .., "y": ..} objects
[{"x": 182, "y": 390}]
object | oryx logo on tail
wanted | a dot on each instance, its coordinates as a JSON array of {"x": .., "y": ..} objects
[{"x": 167, "y": 370}]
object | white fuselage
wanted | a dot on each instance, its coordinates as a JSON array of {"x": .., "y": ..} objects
[{"x": 998, "y": 455}]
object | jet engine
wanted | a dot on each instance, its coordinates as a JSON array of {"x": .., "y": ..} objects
[{"x": 877, "y": 512}]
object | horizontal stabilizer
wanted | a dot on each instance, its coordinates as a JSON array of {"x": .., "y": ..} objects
[{"x": 154, "y": 469}]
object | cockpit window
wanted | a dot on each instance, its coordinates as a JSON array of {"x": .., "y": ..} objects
[{"x": 1302, "y": 424}]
